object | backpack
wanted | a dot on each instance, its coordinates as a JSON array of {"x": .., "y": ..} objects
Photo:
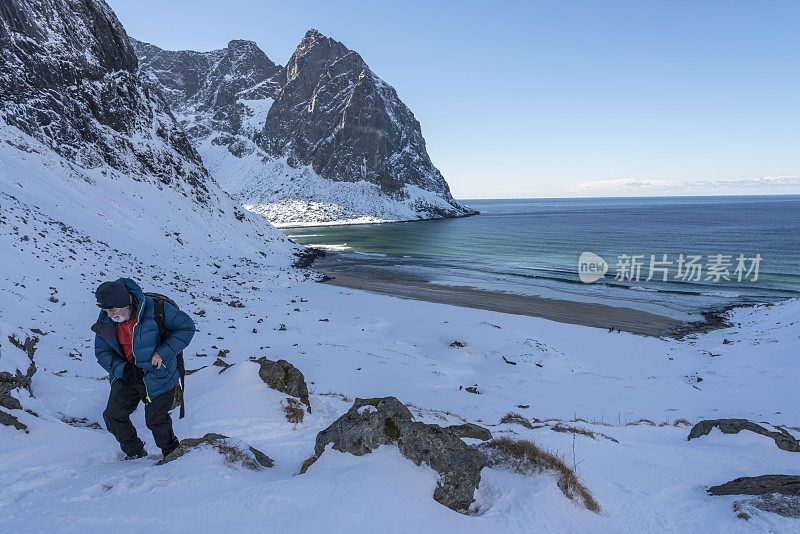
[{"x": 158, "y": 301}]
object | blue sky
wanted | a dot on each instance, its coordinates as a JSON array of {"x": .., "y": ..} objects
[{"x": 560, "y": 98}]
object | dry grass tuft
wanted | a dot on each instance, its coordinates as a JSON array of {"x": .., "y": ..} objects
[
  {"x": 582, "y": 431},
  {"x": 342, "y": 396},
  {"x": 681, "y": 421},
  {"x": 308, "y": 462},
  {"x": 294, "y": 410},
  {"x": 526, "y": 457},
  {"x": 513, "y": 417},
  {"x": 642, "y": 422}
]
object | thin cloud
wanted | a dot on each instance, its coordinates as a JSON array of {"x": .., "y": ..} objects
[{"x": 646, "y": 187}]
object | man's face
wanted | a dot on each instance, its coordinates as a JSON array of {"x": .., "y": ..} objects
[{"x": 119, "y": 314}]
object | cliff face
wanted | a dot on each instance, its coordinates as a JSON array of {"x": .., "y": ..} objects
[
  {"x": 69, "y": 78},
  {"x": 336, "y": 115},
  {"x": 320, "y": 139},
  {"x": 84, "y": 137}
]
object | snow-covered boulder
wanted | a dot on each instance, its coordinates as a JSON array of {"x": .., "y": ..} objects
[{"x": 233, "y": 452}]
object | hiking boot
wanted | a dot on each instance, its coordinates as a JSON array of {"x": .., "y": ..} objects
[
  {"x": 167, "y": 452},
  {"x": 141, "y": 454}
]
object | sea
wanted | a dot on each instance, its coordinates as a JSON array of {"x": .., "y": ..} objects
[{"x": 674, "y": 256}]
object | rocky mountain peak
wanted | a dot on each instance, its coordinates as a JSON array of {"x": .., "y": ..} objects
[
  {"x": 325, "y": 117},
  {"x": 313, "y": 54},
  {"x": 246, "y": 58}
]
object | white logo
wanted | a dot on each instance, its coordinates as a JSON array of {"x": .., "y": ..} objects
[{"x": 591, "y": 267}]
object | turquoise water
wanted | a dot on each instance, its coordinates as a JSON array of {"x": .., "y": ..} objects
[{"x": 532, "y": 246}]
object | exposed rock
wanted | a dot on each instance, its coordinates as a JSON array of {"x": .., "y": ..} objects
[
  {"x": 470, "y": 430},
  {"x": 222, "y": 363},
  {"x": 760, "y": 485},
  {"x": 9, "y": 382},
  {"x": 80, "y": 422},
  {"x": 783, "y": 439},
  {"x": 284, "y": 377},
  {"x": 29, "y": 346},
  {"x": 262, "y": 459},
  {"x": 9, "y": 420},
  {"x": 7, "y": 401},
  {"x": 307, "y": 256},
  {"x": 232, "y": 453},
  {"x": 370, "y": 423}
]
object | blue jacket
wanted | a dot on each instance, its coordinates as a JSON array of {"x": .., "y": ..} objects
[{"x": 111, "y": 356}]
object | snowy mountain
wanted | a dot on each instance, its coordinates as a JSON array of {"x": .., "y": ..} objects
[{"x": 320, "y": 140}]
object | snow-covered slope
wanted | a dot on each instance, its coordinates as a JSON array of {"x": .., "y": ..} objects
[
  {"x": 350, "y": 344},
  {"x": 320, "y": 140}
]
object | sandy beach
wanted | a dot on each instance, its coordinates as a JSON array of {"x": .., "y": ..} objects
[{"x": 582, "y": 313}]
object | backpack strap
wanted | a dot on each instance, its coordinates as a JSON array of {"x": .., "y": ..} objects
[{"x": 162, "y": 334}]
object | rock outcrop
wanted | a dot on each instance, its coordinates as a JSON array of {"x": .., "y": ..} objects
[
  {"x": 322, "y": 138},
  {"x": 284, "y": 377},
  {"x": 370, "y": 423},
  {"x": 783, "y": 439},
  {"x": 778, "y": 494},
  {"x": 17, "y": 380},
  {"x": 760, "y": 485}
]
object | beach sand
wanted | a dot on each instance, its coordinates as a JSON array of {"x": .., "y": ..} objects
[{"x": 583, "y": 313}]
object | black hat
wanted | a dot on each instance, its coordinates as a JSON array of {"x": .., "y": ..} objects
[{"x": 112, "y": 295}]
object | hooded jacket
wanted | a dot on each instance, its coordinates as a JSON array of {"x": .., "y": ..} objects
[{"x": 111, "y": 357}]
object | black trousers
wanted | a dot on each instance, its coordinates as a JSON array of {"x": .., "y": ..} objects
[{"x": 123, "y": 400}]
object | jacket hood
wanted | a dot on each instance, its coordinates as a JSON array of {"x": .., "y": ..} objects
[{"x": 133, "y": 288}]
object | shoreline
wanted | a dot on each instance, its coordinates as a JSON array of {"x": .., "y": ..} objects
[
  {"x": 563, "y": 311},
  {"x": 354, "y": 222}
]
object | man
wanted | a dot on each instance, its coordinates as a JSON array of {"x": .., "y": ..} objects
[{"x": 140, "y": 366}]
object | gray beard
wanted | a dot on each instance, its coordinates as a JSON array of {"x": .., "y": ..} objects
[{"x": 121, "y": 318}]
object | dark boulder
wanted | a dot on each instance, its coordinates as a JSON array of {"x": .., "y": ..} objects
[
  {"x": 284, "y": 377},
  {"x": 760, "y": 485},
  {"x": 9, "y": 420},
  {"x": 778, "y": 494},
  {"x": 783, "y": 439},
  {"x": 370, "y": 423}
]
